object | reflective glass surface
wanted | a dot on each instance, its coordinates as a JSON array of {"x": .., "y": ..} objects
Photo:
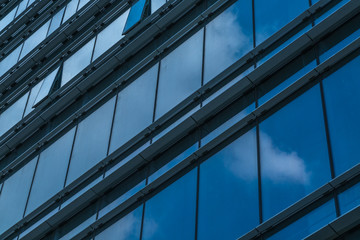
[
  {"x": 171, "y": 213},
  {"x": 293, "y": 150},
  {"x": 342, "y": 98},
  {"x": 308, "y": 224},
  {"x": 228, "y": 191},
  {"x": 127, "y": 228},
  {"x": 53, "y": 164},
  {"x": 22, "y": 7},
  {"x": 156, "y": 4},
  {"x": 135, "y": 14},
  {"x": 10, "y": 60},
  {"x": 180, "y": 74},
  {"x": 110, "y": 35},
  {"x": 270, "y": 16},
  {"x": 33, "y": 93},
  {"x": 7, "y": 19},
  {"x": 13, "y": 114},
  {"x": 70, "y": 10},
  {"x": 349, "y": 199},
  {"x": 34, "y": 40},
  {"x": 228, "y": 37},
  {"x": 56, "y": 21},
  {"x": 135, "y": 108},
  {"x": 14, "y": 195},
  {"x": 91, "y": 143},
  {"x": 45, "y": 88},
  {"x": 82, "y": 3},
  {"x": 77, "y": 62}
]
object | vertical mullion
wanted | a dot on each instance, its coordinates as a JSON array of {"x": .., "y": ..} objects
[
  {"x": 112, "y": 124},
  {"x": 71, "y": 153},
  {"x": 93, "y": 50},
  {"x": 31, "y": 185}
]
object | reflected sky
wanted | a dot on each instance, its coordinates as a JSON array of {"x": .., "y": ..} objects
[
  {"x": 228, "y": 200},
  {"x": 271, "y": 16},
  {"x": 349, "y": 199},
  {"x": 293, "y": 150},
  {"x": 228, "y": 38},
  {"x": 342, "y": 98}
]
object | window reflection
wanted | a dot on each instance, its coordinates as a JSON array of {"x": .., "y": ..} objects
[
  {"x": 349, "y": 199},
  {"x": 228, "y": 38},
  {"x": 293, "y": 150},
  {"x": 171, "y": 213},
  {"x": 14, "y": 195},
  {"x": 342, "y": 98},
  {"x": 228, "y": 200},
  {"x": 180, "y": 74},
  {"x": 270, "y": 16}
]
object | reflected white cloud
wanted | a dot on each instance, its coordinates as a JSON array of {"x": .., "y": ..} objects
[
  {"x": 150, "y": 228},
  {"x": 226, "y": 42},
  {"x": 277, "y": 166},
  {"x": 280, "y": 166}
]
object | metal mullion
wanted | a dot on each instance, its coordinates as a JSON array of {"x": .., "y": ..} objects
[
  {"x": 31, "y": 185},
  {"x": 71, "y": 153}
]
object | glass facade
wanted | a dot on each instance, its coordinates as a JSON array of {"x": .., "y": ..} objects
[{"x": 155, "y": 123}]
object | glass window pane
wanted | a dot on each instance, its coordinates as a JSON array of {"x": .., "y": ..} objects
[
  {"x": 228, "y": 38},
  {"x": 293, "y": 150},
  {"x": 7, "y": 19},
  {"x": 56, "y": 21},
  {"x": 77, "y": 62},
  {"x": 228, "y": 191},
  {"x": 180, "y": 74},
  {"x": 33, "y": 93},
  {"x": 127, "y": 228},
  {"x": 53, "y": 163},
  {"x": 349, "y": 199},
  {"x": 342, "y": 98},
  {"x": 14, "y": 195},
  {"x": 10, "y": 60},
  {"x": 71, "y": 9},
  {"x": 22, "y": 7},
  {"x": 156, "y": 4},
  {"x": 13, "y": 114},
  {"x": 139, "y": 95},
  {"x": 135, "y": 14},
  {"x": 91, "y": 143},
  {"x": 82, "y": 3},
  {"x": 308, "y": 224},
  {"x": 171, "y": 213},
  {"x": 270, "y": 16},
  {"x": 45, "y": 88},
  {"x": 110, "y": 35},
  {"x": 34, "y": 40}
]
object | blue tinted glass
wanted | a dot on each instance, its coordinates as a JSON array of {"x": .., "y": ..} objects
[
  {"x": 33, "y": 93},
  {"x": 293, "y": 150},
  {"x": 135, "y": 14},
  {"x": 92, "y": 140},
  {"x": 287, "y": 82},
  {"x": 270, "y": 16},
  {"x": 349, "y": 199},
  {"x": 228, "y": 37},
  {"x": 329, "y": 53},
  {"x": 180, "y": 74},
  {"x": 14, "y": 195},
  {"x": 171, "y": 213},
  {"x": 53, "y": 164},
  {"x": 110, "y": 203},
  {"x": 156, "y": 4},
  {"x": 110, "y": 35},
  {"x": 342, "y": 98},
  {"x": 35, "y": 39},
  {"x": 56, "y": 21},
  {"x": 7, "y": 19},
  {"x": 332, "y": 10},
  {"x": 10, "y": 60},
  {"x": 139, "y": 95},
  {"x": 308, "y": 224},
  {"x": 22, "y": 7},
  {"x": 226, "y": 125},
  {"x": 173, "y": 162},
  {"x": 127, "y": 228},
  {"x": 13, "y": 114},
  {"x": 45, "y": 88},
  {"x": 70, "y": 10},
  {"x": 228, "y": 200}
]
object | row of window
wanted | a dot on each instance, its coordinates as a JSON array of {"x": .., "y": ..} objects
[
  {"x": 84, "y": 146},
  {"x": 228, "y": 38},
  {"x": 8, "y": 18},
  {"x": 39, "y": 35}
]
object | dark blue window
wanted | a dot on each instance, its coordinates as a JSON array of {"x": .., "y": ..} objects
[{"x": 135, "y": 15}]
